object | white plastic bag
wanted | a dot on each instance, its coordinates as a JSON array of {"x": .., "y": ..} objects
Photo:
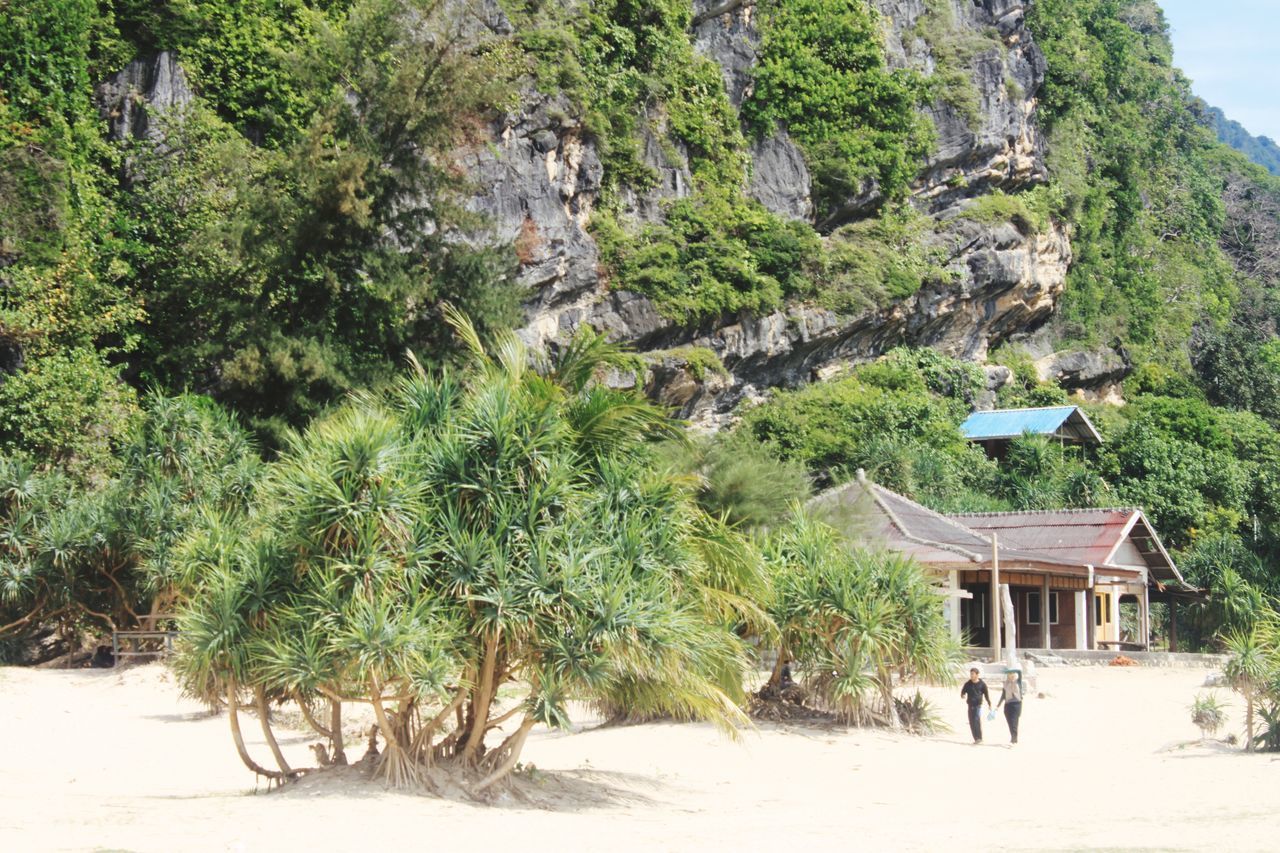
[{"x": 991, "y": 715}]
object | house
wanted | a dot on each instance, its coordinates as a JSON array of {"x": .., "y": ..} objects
[
  {"x": 995, "y": 429},
  {"x": 1078, "y": 578},
  {"x": 1120, "y": 548}
]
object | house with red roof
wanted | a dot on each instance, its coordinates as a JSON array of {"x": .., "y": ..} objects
[{"x": 1078, "y": 579}]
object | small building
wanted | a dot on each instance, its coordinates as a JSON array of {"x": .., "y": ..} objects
[
  {"x": 1076, "y": 577},
  {"x": 996, "y": 428},
  {"x": 1119, "y": 547}
]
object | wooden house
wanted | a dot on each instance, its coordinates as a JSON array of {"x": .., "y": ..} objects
[{"x": 1072, "y": 573}]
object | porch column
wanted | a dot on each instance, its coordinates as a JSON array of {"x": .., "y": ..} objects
[
  {"x": 1146, "y": 618},
  {"x": 1090, "y": 602},
  {"x": 1044, "y": 613},
  {"x": 995, "y": 599},
  {"x": 1173, "y": 624}
]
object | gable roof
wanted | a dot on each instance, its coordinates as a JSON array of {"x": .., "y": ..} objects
[
  {"x": 870, "y": 513},
  {"x": 1067, "y": 422},
  {"x": 1090, "y": 536}
]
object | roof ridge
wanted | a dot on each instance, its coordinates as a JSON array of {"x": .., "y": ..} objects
[
  {"x": 1026, "y": 409},
  {"x": 1065, "y": 510},
  {"x": 941, "y": 515}
]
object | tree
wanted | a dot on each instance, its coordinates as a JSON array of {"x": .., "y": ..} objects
[
  {"x": 423, "y": 549},
  {"x": 1253, "y": 668},
  {"x": 101, "y": 558},
  {"x": 855, "y": 622}
]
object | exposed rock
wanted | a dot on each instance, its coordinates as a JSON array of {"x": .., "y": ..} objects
[
  {"x": 999, "y": 145},
  {"x": 780, "y": 177},
  {"x": 1089, "y": 370},
  {"x": 731, "y": 40},
  {"x": 538, "y": 181},
  {"x": 130, "y": 99}
]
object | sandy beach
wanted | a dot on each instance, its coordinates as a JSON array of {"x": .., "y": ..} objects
[{"x": 118, "y": 760}]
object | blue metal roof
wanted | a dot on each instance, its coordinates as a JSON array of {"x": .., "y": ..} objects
[{"x": 1011, "y": 423}]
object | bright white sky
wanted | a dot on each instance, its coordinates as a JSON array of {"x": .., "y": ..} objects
[{"x": 1231, "y": 51}]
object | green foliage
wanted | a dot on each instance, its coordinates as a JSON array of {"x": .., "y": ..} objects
[
  {"x": 1132, "y": 172},
  {"x": 906, "y": 440},
  {"x": 821, "y": 72},
  {"x": 69, "y": 409},
  {"x": 1208, "y": 714},
  {"x": 102, "y": 557},
  {"x": 1260, "y": 149},
  {"x": 852, "y": 620},
  {"x": 740, "y": 479},
  {"x": 712, "y": 255},
  {"x": 1253, "y": 671},
  {"x": 630, "y": 66},
  {"x": 242, "y": 55},
  {"x": 1028, "y": 211},
  {"x": 954, "y": 50},
  {"x": 871, "y": 262},
  {"x": 280, "y": 280},
  {"x": 419, "y": 550}
]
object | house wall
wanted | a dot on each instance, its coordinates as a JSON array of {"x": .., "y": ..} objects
[
  {"x": 1061, "y": 636},
  {"x": 1128, "y": 555}
]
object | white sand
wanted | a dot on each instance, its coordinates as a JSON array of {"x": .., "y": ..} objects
[{"x": 117, "y": 760}]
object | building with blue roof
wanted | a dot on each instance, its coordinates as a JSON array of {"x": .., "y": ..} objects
[{"x": 996, "y": 428}]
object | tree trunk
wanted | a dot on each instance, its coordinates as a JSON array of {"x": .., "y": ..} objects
[
  {"x": 233, "y": 714},
  {"x": 512, "y": 748},
  {"x": 775, "y": 677},
  {"x": 480, "y": 705},
  {"x": 335, "y": 732},
  {"x": 310, "y": 717},
  {"x": 1248, "y": 721},
  {"x": 264, "y": 717},
  {"x": 399, "y": 766}
]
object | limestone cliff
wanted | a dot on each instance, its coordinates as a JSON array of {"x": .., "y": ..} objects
[
  {"x": 538, "y": 179},
  {"x": 541, "y": 177}
]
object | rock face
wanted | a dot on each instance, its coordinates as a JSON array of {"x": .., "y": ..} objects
[
  {"x": 1095, "y": 375},
  {"x": 541, "y": 179},
  {"x": 130, "y": 99}
]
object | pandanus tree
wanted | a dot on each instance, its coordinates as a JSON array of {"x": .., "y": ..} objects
[
  {"x": 855, "y": 622},
  {"x": 497, "y": 529},
  {"x": 103, "y": 559},
  {"x": 1253, "y": 667}
]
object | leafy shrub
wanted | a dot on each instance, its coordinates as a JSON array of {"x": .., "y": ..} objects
[
  {"x": 1208, "y": 714},
  {"x": 852, "y": 621},
  {"x": 871, "y": 262},
  {"x": 821, "y": 72},
  {"x": 70, "y": 409},
  {"x": 712, "y": 255}
]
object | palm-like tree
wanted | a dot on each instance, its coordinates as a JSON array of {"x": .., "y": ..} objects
[
  {"x": 855, "y": 622},
  {"x": 1253, "y": 666},
  {"x": 422, "y": 548},
  {"x": 102, "y": 560}
]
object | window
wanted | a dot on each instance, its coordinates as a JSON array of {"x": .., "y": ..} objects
[
  {"x": 1033, "y": 608},
  {"x": 1101, "y": 608}
]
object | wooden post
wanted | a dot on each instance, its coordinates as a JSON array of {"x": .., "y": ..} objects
[
  {"x": 1045, "y": 640},
  {"x": 995, "y": 598},
  {"x": 1010, "y": 628},
  {"x": 1173, "y": 624}
]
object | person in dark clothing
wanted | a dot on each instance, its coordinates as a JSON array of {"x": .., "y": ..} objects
[
  {"x": 1011, "y": 698},
  {"x": 974, "y": 691}
]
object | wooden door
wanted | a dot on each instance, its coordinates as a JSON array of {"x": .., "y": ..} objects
[{"x": 1104, "y": 616}]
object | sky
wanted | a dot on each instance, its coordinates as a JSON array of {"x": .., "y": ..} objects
[{"x": 1231, "y": 51}]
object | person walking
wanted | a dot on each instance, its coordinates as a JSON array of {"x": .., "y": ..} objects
[
  {"x": 1011, "y": 699},
  {"x": 974, "y": 691}
]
